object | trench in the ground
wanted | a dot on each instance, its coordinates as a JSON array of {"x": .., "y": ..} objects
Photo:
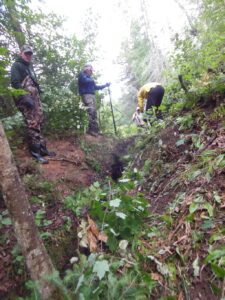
[
  {"x": 117, "y": 167},
  {"x": 118, "y": 163}
]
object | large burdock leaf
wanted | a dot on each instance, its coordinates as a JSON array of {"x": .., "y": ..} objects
[
  {"x": 101, "y": 267},
  {"x": 115, "y": 203},
  {"x": 121, "y": 215}
]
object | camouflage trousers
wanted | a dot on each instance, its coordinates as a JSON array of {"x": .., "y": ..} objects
[
  {"x": 89, "y": 101},
  {"x": 32, "y": 114}
]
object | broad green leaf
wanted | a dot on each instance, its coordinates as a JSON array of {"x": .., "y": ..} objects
[
  {"x": 215, "y": 237},
  {"x": 208, "y": 152},
  {"x": 112, "y": 242},
  {"x": 80, "y": 281},
  {"x": 209, "y": 208},
  {"x": 196, "y": 267},
  {"x": 121, "y": 215},
  {"x": 96, "y": 184},
  {"x": 180, "y": 255},
  {"x": 190, "y": 217},
  {"x": 167, "y": 219},
  {"x": 220, "y": 161},
  {"x": 194, "y": 174},
  {"x": 160, "y": 142},
  {"x": 217, "y": 197},
  {"x": 207, "y": 224},
  {"x": 208, "y": 176},
  {"x": 216, "y": 290},
  {"x": 10, "y": 133},
  {"x": 125, "y": 180},
  {"x": 180, "y": 142},
  {"x": 6, "y": 221},
  {"x": 115, "y": 203},
  {"x": 152, "y": 234},
  {"x": 162, "y": 268},
  {"x": 218, "y": 271},
  {"x": 91, "y": 259},
  {"x": 113, "y": 231},
  {"x": 123, "y": 244},
  {"x": 193, "y": 207},
  {"x": 5, "y": 212},
  {"x": 45, "y": 235},
  {"x": 215, "y": 254},
  {"x": 101, "y": 267}
]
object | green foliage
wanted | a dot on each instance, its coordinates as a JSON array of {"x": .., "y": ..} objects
[
  {"x": 95, "y": 165},
  {"x": 219, "y": 112},
  {"x": 12, "y": 122},
  {"x": 4, "y": 219},
  {"x": 200, "y": 59},
  {"x": 94, "y": 277},
  {"x": 18, "y": 260},
  {"x": 119, "y": 215},
  {"x": 63, "y": 111},
  {"x": 209, "y": 161},
  {"x": 42, "y": 190},
  {"x": 4, "y": 62},
  {"x": 185, "y": 122},
  {"x": 106, "y": 118},
  {"x": 57, "y": 61},
  {"x": 40, "y": 219},
  {"x": 6, "y": 101}
]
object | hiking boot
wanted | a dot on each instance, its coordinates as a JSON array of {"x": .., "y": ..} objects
[
  {"x": 44, "y": 150},
  {"x": 35, "y": 151}
]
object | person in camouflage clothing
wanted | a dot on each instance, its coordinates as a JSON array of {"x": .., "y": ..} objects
[
  {"x": 24, "y": 78},
  {"x": 87, "y": 88}
]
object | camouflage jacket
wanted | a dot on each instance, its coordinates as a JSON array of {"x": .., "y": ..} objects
[{"x": 19, "y": 71}]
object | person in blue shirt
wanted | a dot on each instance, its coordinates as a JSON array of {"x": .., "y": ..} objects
[{"x": 87, "y": 88}]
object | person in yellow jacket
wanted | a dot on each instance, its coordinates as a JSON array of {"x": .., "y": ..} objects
[{"x": 153, "y": 92}]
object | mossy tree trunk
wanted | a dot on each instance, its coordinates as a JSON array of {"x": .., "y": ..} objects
[{"x": 33, "y": 249}]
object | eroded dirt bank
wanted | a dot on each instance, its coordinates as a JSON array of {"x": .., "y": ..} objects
[{"x": 80, "y": 161}]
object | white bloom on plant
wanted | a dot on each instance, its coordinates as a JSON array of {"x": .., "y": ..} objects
[
  {"x": 74, "y": 259},
  {"x": 123, "y": 244}
]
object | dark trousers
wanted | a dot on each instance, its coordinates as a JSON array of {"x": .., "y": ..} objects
[{"x": 155, "y": 97}]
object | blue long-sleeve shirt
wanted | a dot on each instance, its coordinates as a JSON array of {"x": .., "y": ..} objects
[{"x": 86, "y": 84}]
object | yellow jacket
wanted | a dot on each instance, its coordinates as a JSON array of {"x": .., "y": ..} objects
[{"x": 143, "y": 93}]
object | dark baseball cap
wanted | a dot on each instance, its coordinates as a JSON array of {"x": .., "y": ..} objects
[{"x": 26, "y": 49}]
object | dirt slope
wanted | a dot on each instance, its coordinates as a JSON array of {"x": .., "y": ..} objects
[
  {"x": 182, "y": 174},
  {"x": 80, "y": 161},
  {"x": 183, "y": 177}
]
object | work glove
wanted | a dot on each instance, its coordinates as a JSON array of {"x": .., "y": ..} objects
[
  {"x": 107, "y": 84},
  {"x": 26, "y": 101}
]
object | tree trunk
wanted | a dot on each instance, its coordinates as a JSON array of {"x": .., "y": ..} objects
[{"x": 33, "y": 249}]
